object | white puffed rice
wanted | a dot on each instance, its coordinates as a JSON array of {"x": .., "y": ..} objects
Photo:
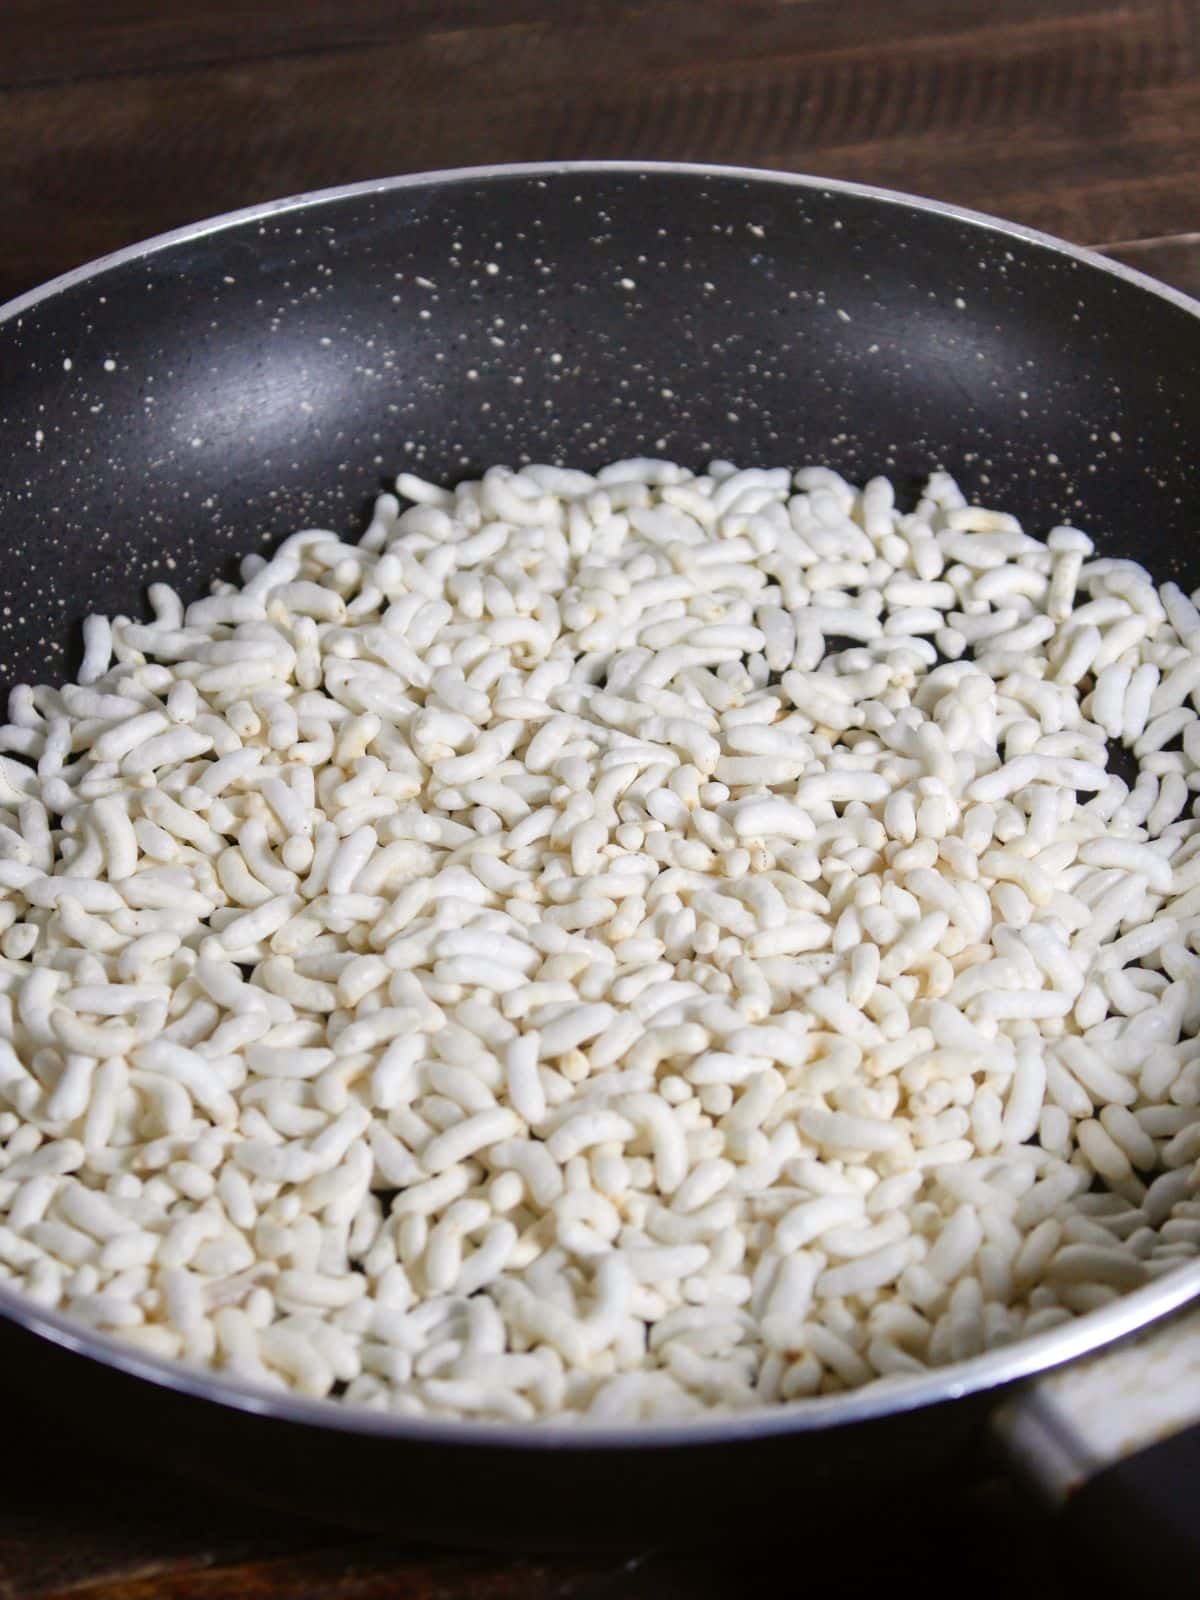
[{"x": 620, "y": 944}]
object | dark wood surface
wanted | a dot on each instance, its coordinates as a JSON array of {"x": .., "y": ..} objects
[{"x": 121, "y": 118}]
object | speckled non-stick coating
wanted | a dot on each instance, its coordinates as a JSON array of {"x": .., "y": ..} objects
[
  {"x": 200, "y": 398},
  {"x": 196, "y": 403}
]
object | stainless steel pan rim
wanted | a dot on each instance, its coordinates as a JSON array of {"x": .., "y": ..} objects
[
  {"x": 765, "y": 176},
  {"x": 994, "y": 1370}
]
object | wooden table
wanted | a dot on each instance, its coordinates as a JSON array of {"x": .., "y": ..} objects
[{"x": 119, "y": 120}]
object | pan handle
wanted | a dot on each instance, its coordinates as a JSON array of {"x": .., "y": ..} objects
[{"x": 1112, "y": 1445}]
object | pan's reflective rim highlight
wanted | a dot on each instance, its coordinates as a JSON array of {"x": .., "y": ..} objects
[
  {"x": 763, "y": 176},
  {"x": 997, "y": 1369},
  {"x": 994, "y": 1370}
]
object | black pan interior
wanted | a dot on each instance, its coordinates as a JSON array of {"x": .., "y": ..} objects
[
  {"x": 193, "y": 402},
  {"x": 183, "y": 407}
]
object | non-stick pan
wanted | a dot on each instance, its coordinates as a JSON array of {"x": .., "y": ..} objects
[{"x": 190, "y": 399}]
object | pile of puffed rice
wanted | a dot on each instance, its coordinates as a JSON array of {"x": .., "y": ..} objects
[{"x": 621, "y": 944}]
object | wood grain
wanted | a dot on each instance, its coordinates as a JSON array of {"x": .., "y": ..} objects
[
  {"x": 1175, "y": 259},
  {"x": 1080, "y": 116},
  {"x": 55, "y": 40},
  {"x": 119, "y": 120}
]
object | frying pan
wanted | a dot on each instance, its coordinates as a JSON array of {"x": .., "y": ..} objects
[{"x": 176, "y": 405}]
